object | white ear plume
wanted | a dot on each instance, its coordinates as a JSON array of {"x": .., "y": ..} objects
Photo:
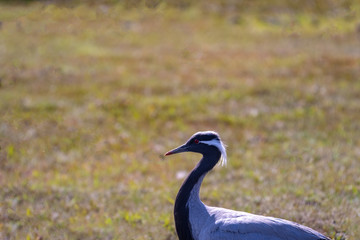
[{"x": 222, "y": 148}]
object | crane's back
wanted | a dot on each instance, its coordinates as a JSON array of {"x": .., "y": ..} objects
[{"x": 228, "y": 224}]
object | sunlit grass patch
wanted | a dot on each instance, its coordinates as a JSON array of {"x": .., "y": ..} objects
[{"x": 91, "y": 96}]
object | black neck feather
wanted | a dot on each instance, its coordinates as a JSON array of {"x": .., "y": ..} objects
[{"x": 181, "y": 210}]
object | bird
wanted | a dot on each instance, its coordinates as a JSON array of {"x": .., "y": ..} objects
[{"x": 196, "y": 221}]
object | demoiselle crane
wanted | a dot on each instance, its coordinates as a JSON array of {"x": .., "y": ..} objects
[{"x": 196, "y": 221}]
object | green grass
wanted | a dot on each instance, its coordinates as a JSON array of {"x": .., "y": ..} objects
[{"x": 92, "y": 95}]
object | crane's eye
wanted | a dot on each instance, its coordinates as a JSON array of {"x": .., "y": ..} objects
[{"x": 196, "y": 141}]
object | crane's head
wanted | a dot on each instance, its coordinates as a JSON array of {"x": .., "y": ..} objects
[{"x": 202, "y": 142}]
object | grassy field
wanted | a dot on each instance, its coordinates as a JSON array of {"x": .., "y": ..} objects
[{"x": 91, "y": 96}]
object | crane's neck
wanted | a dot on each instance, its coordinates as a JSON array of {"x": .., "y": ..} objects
[{"x": 188, "y": 197}]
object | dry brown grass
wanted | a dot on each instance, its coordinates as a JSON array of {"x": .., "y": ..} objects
[{"x": 91, "y": 96}]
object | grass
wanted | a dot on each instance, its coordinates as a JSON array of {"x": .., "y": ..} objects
[{"x": 92, "y": 95}]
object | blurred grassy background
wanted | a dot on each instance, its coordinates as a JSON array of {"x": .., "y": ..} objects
[{"x": 93, "y": 92}]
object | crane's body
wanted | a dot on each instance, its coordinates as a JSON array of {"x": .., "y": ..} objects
[{"x": 196, "y": 221}]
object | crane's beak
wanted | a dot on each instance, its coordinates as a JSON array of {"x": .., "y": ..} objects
[{"x": 182, "y": 148}]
